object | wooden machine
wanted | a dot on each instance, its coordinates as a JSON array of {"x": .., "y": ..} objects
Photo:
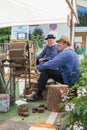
[{"x": 20, "y": 56}]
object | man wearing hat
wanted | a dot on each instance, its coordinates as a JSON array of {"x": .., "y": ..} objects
[
  {"x": 64, "y": 68},
  {"x": 50, "y": 50}
]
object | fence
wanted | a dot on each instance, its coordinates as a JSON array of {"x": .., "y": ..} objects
[{"x": 4, "y": 47}]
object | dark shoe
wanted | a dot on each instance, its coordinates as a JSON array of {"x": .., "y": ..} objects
[{"x": 34, "y": 97}]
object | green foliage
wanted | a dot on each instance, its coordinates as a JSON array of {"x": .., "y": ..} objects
[
  {"x": 38, "y": 31},
  {"x": 5, "y": 34},
  {"x": 82, "y": 82},
  {"x": 83, "y": 20},
  {"x": 79, "y": 113},
  {"x": 37, "y": 37}
]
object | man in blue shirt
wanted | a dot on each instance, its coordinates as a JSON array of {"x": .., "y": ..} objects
[
  {"x": 63, "y": 68},
  {"x": 50, "y": 50}
]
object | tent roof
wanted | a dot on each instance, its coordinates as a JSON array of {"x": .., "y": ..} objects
[{"x": 32, "y": 12}]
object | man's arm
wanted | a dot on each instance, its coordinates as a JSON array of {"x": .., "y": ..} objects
[
  {"x": 55, "y": 63},
  {"x": 42, "y": 54}
]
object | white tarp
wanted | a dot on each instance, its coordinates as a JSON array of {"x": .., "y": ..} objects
[{"x": 32, "y": 12}]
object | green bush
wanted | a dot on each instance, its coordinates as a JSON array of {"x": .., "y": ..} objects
[{"x": 75, "y": 114}]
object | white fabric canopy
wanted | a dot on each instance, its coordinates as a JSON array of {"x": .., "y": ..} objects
[{"x": 32, "y": 12}]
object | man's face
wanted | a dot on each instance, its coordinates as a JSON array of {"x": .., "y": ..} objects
[
  {"x": 62, "y": 46},
  {"x": 50, "y": 41}
]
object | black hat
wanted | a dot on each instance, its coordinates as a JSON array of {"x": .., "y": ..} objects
[{"x": 50, "y": 36}]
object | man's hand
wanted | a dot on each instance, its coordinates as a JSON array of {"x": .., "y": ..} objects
[
  {"x": 41, "y": 59},
  {"x": 36, "y": 70}
]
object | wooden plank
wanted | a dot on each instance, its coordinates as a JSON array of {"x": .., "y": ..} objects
[{"x": 52, "y": 118}]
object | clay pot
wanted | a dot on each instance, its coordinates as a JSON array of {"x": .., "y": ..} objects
[{"x": 23, "y": 110}]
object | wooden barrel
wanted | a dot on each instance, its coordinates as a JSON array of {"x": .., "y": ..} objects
[
  {"x": 54, "y": 96},
  {"x": 42, "y": 126}
]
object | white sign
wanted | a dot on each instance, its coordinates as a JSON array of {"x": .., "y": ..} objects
[
  {"x": 19, "y": 32},
  {"x": 78, "y": 39}
]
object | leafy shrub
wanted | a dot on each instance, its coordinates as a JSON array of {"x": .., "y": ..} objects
[{"x": 75, "y": 114}]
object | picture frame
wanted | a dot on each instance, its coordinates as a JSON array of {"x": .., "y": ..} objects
[{"x": 21, "y": 35}]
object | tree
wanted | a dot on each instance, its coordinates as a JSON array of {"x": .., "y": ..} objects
[
  {"x": 5, "y": 34},
  {"x": 83, "y": 20},
  {"x": 37, "y": 37}
]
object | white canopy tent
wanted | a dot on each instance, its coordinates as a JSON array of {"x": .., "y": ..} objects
[{"x": 32, "y": 12}]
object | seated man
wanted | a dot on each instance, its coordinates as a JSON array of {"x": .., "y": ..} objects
[
  {"x": 63, "y": 68},
  {"x": 50, "y": 50}
]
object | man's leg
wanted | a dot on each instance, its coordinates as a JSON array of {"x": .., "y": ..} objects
[
  {"x": 42, "y": 81},
  {"x": 56, "y": 75},
  {"x": 45, "y": 75},
  {"x": 41, "y": 86}
]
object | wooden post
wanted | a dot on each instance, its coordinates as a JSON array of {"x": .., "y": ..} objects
[{"x": 12, "y": 86}]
